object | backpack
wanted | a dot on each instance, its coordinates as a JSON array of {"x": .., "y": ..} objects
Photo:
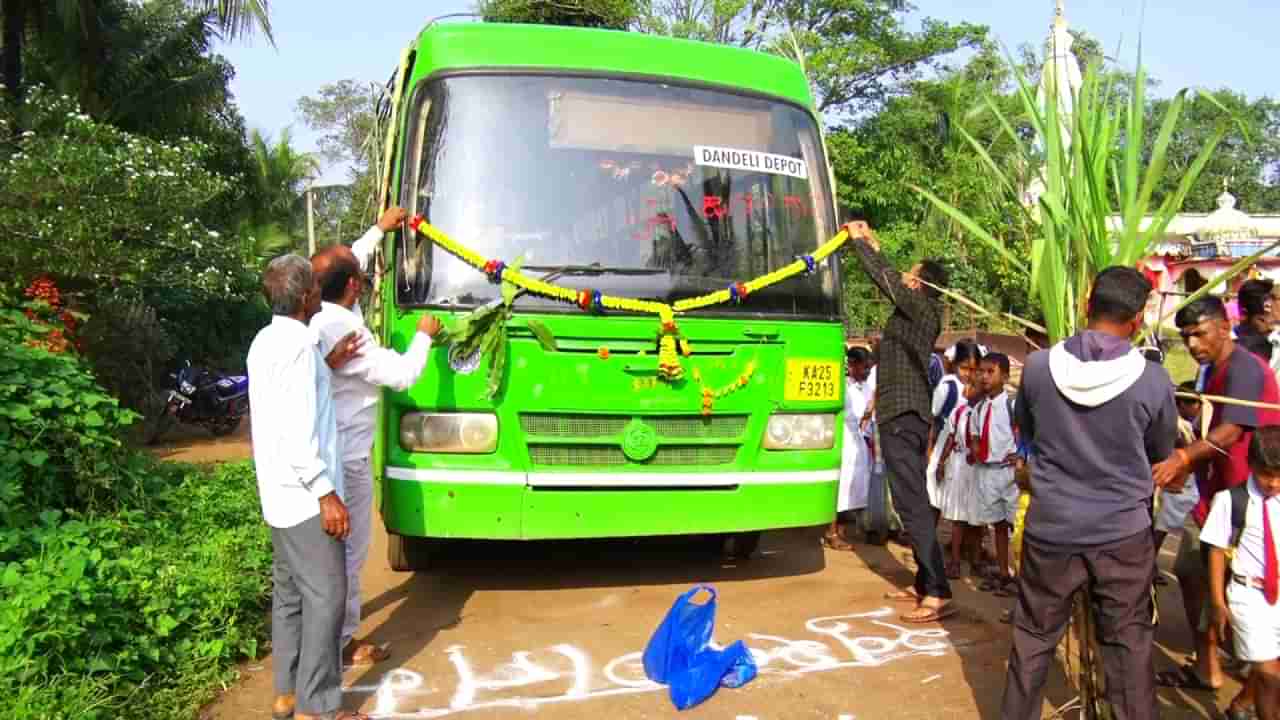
[
  {"x": 1239, "y": 506},
  {"x": 953, "y": 398},
  {"x": 936, "y": 371}
]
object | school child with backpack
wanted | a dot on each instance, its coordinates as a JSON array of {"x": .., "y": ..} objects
[{"x": 1243, "y": 528}]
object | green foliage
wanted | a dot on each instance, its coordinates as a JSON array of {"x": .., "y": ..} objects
[
  {"x": 1092, "y": 169},
  {"x": 108, "y": 208},
  {"x": 914, "y": 141},
  {"x": 59, "y": 430},
  {"x": 1246, "y": 160},
  {"x": 140, "y": 613},
  {"x": 279, "y": 174},
  {"x": 130, "y": 350},
  {"x": 613, "y": 14},
  {"x": 346, "y": 115},
  {"x": 857, "y": 53}
]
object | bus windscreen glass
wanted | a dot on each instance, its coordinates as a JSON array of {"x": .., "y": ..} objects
[{"x": 635, "y": 188}]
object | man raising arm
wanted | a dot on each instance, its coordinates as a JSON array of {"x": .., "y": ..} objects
[
  {"x": 904, "y": 413},
  {"x": 356, "y": 387}
]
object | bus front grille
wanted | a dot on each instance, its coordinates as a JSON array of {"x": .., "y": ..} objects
[
  {"x": 607, "y": 456},
  {"x": 598, "y": 427}
]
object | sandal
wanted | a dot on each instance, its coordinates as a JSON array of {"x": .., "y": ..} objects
[
  {"x": 991, "y": 584},
  {"x": 366, "y": 654},
  {"x": 282, "y": 708},
  {"x": 903, "y": 596},
  {"x": 1184, "y": 678},
  {"x": 1161, "y": 580},
  {"x": 835, "y": 542},
  {"x": 1007, "y": 589},
  {"x": 931, "y": 615}
]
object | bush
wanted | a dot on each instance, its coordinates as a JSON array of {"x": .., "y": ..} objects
[
  {"x": 59, "y": 430},
  {"x": 139, "y": 613},
  {"x": 129, "y": 350}
]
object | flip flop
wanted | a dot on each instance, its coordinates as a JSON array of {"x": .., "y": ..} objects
[
  {"x": 368, "y": 654},
  {"x": 902, "y": 596},
  {"x": 934, "y": 615},
  {"x": 1184, "y": 678},
  {"x": 282, "y": 708},
  {"x": 836, "y": 543},
  {"x": 1237, "y": 714},
  {"x": 1161, "y": 580},
  {"x": 1008, "y": 589}
]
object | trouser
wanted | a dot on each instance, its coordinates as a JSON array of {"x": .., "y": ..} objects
[
  {"x": 1119, "y": 576},
  {"x": 358, "y": 488},
  {"x": 306, "y": 615},
  {"x": 904, "y": 441}
]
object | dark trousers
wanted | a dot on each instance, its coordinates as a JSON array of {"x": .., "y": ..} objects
[
  {"x": 308, "y": 603},
  {"x": 904, "y": 440},
  {"x": 1119, "y": 575}
]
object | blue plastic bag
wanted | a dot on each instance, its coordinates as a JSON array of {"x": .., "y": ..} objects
[{"x": 678, "y": 655}]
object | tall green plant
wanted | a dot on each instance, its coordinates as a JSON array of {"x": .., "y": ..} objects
[{"x": 1096, "y": 209}]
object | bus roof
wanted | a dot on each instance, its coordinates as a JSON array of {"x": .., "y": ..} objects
[{"x": 461, "y": 45}]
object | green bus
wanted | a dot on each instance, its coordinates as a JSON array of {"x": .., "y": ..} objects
[{"x": 636, "y": 166}]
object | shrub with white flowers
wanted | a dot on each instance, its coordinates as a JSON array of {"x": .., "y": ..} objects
[{"x": 80, "y": 198}]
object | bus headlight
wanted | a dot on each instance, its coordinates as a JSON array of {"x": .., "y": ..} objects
[
  {"x": 470, "y": 433},
  {"x": 800, "y": 432}
]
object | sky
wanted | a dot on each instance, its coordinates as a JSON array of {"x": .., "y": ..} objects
[{"x": 1186, "y": 43}]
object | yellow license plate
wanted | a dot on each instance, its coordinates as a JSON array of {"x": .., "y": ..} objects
[{"x": 812, "y": 380}]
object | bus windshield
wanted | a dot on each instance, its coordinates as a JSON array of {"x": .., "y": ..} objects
[{"x": 640, "y": 189}]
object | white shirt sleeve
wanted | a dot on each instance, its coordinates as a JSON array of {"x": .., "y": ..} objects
[
  {"x": 364, "y": 247},
  {"x": 300, "y": 439},
  {"x": 1217, "y": 527},
  {"x": 385, "y": 367}
]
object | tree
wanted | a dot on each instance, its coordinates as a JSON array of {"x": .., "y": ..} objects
[
  {"x": 613, "y": 14},
  {"x": 1246, "y": 161},
  {"x": 77, "y": 26},
  {"x": 108, "y": 209},
  {"x": 915, "y": 141},
  {"x": 279, "y": 174},
  {"x": 857, "y": 53},
  {"x": 345, "y": 113}
]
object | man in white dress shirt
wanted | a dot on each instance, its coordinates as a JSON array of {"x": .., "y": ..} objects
[
  {"x": 300, "y": 482},
  {"x": 356, "y": 388}
]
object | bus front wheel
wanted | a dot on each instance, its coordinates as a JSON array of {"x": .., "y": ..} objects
[
  {"x": 741, "y": 546},
  {"x": 408, "y": 554}
]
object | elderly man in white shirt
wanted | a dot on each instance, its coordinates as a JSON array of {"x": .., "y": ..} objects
[
  {"x": 356, "y": 389},
  {"x": 300, "y": 482}
]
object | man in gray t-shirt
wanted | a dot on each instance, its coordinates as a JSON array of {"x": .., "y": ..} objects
[{"x": 1096, "y": 415}]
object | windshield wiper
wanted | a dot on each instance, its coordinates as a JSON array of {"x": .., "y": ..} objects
[{"x": 593, "y": 269}]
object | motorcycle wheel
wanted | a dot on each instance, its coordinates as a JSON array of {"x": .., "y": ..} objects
[
  {"x": 160, "y": 425},
  {"x": 224, "y": 426}
]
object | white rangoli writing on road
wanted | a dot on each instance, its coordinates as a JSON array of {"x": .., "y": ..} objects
[{"x": 565, "y": 673}]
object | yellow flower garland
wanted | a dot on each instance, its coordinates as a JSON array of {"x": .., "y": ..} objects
[
  {"x": 665, "y": 312},
  {"x": 670, "y": 345}
]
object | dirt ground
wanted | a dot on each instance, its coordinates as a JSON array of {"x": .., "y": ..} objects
[
  {"x": 556, "y": 630},
  {"x": 188, "y": 443}
]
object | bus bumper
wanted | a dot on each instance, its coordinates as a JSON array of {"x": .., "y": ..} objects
[{"x": 546, "y": 506}]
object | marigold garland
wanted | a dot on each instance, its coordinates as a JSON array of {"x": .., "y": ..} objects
[
  {"x": 670, "y": 344},
  {"x": 595, "y": 300}
]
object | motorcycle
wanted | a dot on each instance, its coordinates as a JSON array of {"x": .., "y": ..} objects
[{"x": 198, "y": 396}]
